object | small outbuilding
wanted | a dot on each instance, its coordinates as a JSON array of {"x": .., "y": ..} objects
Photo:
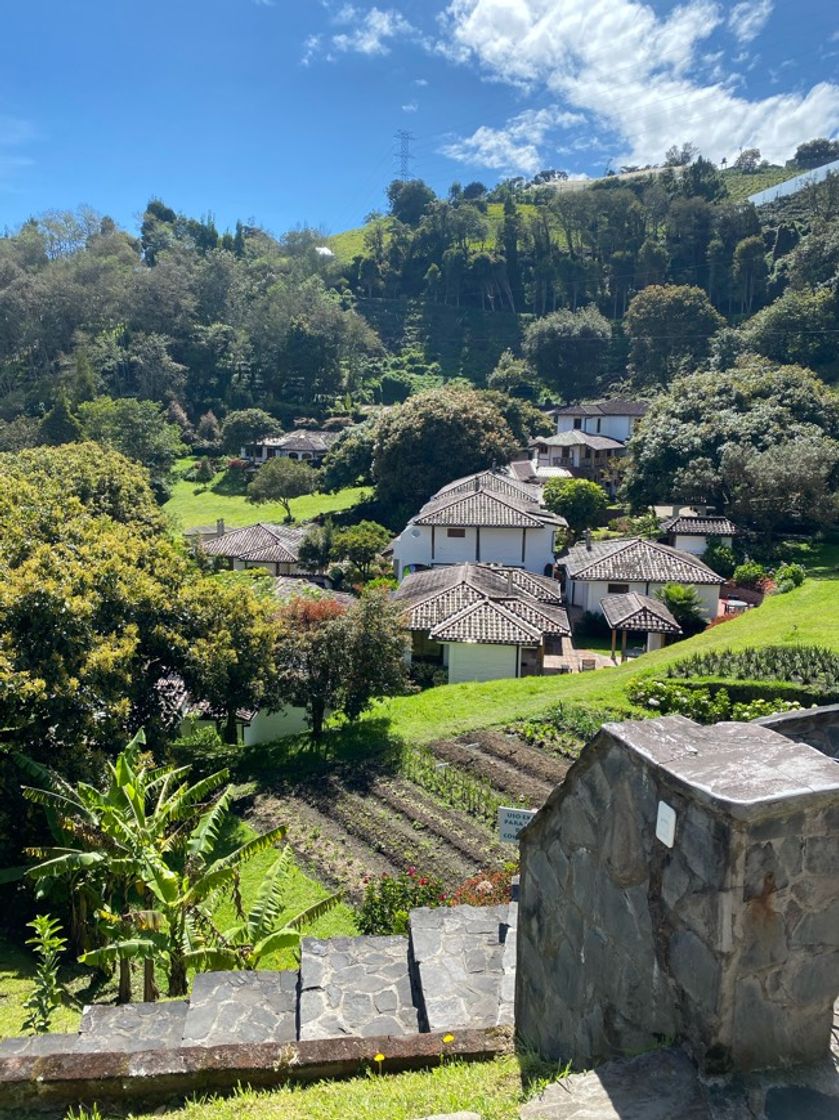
[{"x": 634, "y": 613}]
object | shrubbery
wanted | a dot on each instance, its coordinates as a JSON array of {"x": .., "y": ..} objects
[
  {"x": 389, "y": 900},
  {"x": 704, "y": 704},
  {"x": 749, "y": 574}
]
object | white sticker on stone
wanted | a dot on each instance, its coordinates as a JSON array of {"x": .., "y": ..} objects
[{"x": 665, "y": 825}]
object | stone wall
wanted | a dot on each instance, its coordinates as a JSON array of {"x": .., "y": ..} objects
[
  {"x": 818, "y": 727},
  {"x": 728, "y": 940}
]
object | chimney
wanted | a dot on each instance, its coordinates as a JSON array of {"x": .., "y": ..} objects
[
  {"x": 220, "y": 527},
  {"x": 510, "y": 588},
  {"x": 588, "y": 540},
  {"x": 477, "y": 483}
]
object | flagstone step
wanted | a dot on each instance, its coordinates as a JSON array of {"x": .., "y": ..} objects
[
  {"x": 465, "y": 962},
  {"x": 131, "y": 1027},
  {"x": 235, "y": 1007},
  {"x": 356, "y": 986}
]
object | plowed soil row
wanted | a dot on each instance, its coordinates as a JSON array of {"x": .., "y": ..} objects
[
  {"x": 454, "y": 829},
  {"x": 398, "y": 840},
  {"x": 324, "y": 848},
  {"x": 504, "y": 776},
  {"x": 509, "y": 748}
]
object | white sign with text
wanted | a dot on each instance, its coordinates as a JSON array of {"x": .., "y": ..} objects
[{"x": 512, "y": 821}]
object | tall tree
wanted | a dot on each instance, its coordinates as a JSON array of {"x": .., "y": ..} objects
[
  {"x": 280, "y": 480},
  {"x": 670, "y": 330},
  {"x": 568, "y": 350}
]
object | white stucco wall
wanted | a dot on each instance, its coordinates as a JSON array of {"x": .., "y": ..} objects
[
  {"x": 588, "y": 594},
  {"x": 695, "y": 545},
  {"x": 267, "y": 726},
  {"x": 498, "y": 546},
  {"x": 480, "y": 662},
  {"x": 616, "y": 427}
]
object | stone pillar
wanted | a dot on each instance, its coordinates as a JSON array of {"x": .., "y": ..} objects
[{"x": 683, "y": 885}]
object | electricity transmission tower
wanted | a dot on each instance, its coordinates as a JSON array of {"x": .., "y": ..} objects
[{"x": 403, "y": 154}]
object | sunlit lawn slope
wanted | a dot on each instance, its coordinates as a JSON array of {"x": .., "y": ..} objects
[{"x": 193, "y": 504}]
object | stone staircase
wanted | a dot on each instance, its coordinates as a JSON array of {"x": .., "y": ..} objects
[{"x": 455, "y": 969}]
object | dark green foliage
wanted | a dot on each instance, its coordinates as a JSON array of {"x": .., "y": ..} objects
[
  {"x": 360, "y": 544},
  {"x": 679, "y": 449},
  {"x": 578, "y": 500},
  {"x": 749, "y": 574},
  {"x": 389, "y": 900},
  {"x": 815, "y": 153},
  {"x": 243, "y": 427},
  {"x": 433, "y": 438},
  {"x": 60, "y": 425},
  {"x": 670, "y": 330},
  {"x": 684, "y": 603},
  {"x": 137, "y": 429},
  {"x": 280, "y": 480},
  {"x": 316, "y": 548},
  {"x": 707, "y": 703},
  {"x": 568, "y": 350},
  {"x": 720, "y": 558}
]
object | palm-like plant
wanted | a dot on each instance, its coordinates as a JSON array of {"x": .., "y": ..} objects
[
  {"x": 105, "y": 838},
  {"x": 263, "y": 929}
]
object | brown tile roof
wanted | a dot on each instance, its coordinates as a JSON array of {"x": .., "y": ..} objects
[
  {"x": 486, "y": 508},
  {"x": 699, "y": 526},
  {"x": 487, "y": 622},
  {"x": 437, "y": 597},
  {"x": 635, "y": 560},
  {"x": 501, "y": 483},
  {"x": 261, "y": 542},
  {"x": 616, "y": 407},
  {"x": 578, "y": 438},
  {"x": 638, "y": 612}
]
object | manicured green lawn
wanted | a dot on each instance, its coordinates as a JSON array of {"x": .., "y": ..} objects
[
  {"x": 193, "y": 504},
  {"x": 491, "y": 1089},
  {"x": 809, "y": 614}
]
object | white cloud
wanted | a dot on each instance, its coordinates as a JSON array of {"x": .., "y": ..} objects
[
  {"x": 634, "y": 70},
  {"x": 515, "y": 148},
  {"x": 411, "y": 107},
  {"x": 421, "y": 82},
  {"x": 371, "y": 31},
  {"x": 748, "y": 18}
]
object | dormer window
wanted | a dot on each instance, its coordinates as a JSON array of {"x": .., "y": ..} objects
[{"x": 578, "y": 423}]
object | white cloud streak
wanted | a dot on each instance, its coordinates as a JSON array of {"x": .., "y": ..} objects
[
  {"x": 748, "y": 18},
  {"x": 514, "y": 149},
  {"x": 634, "y": 71}
]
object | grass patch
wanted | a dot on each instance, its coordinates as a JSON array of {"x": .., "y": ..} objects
[
  {"x": 741, "y": 185},
  {"x": 493, "y": 1089},
  {"x": 192, "y": 504}
]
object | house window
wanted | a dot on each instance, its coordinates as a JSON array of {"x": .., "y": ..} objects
[
  {"x": 588, "y": 453},
  {"x": 618, "y": 589},
  {"x": 455, "y": 532},
  {"x": 578, "y": 423},
  {"x": 598, "y": 426}
]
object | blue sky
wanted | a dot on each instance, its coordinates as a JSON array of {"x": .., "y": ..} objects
[{"x": 284, "y": 111}]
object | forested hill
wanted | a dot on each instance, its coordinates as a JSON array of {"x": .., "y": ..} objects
[{"x": 626, "y": 282}]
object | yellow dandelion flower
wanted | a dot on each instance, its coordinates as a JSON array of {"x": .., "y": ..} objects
[
  {"x": 447, "y": 1038},
  {"x": 378, "y": 1058}
]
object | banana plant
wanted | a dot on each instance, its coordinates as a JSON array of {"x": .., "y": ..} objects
[
  {"x": 264, "y": 929},
  {"x": 104, "y": 839},
  {"x": 186, "y": 886}
]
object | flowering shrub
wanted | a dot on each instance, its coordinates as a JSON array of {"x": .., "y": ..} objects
[
  {"x": 702, "y": 704},
  {"x": 389, "y": 900},
  {"x": 487, "y": 888},
  {"x": 749, "y": 574}
]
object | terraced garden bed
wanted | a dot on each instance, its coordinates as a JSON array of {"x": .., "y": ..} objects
[{"x": 526, "y": 775}]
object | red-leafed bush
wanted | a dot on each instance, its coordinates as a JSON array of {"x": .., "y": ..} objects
[{"x": 487, "y": 888}]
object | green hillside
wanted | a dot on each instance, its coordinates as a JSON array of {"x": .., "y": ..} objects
[
  {"x": 808, "y": 615},
  {"x": 740, "y": 185}
]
